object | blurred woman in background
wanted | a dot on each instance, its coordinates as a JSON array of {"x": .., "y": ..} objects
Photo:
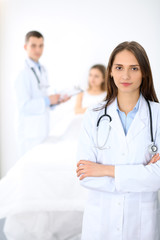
[{"x": 96, "y": 91}]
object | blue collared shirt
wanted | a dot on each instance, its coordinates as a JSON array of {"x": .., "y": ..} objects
[
  {"x": 36, "y": 64},
  {"x": 127, "y": 120}
]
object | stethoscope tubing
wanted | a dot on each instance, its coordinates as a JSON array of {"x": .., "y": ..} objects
[
  {"x": 153, "y": 146},
  {"x": 34, "y": 72},
  {"x": 104, "y": 115},
  {"x": 150, "y": 116}
]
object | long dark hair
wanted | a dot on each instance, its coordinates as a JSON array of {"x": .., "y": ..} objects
[{"x": 147, "y": 86}]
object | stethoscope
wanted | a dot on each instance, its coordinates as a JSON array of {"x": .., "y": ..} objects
[
  {"x": 37, "y": 78},
  {"x": 152, "y": 148}
]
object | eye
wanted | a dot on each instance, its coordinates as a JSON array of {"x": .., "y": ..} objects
[
  {"x": 135, "y": 69},
  {"x": 96, "y": 76},
  {"x": 119, "y": 68}
]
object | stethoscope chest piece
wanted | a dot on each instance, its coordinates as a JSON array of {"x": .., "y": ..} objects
[{"x": 152, "y": 148}]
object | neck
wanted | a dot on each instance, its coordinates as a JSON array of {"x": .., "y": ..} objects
[
  {"x": 95, "y": 89},
  {"x": 34, "y": 60},
  {"x": 127, "y": 101}
]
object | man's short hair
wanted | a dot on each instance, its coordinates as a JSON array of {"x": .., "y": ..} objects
[{"x": 33, "y": 34}]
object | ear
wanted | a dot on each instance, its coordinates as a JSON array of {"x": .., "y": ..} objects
[{"x": 25, "y": 46}]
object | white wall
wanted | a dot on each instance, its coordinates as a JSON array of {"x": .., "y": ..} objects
[{"x": 78, "y": 33}]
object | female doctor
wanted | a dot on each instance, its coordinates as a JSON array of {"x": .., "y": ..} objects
[{"x": 118, "y": 158}]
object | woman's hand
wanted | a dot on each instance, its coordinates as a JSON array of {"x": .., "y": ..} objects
[
  {"x": 90, "y": 169},
  {"x": 154, "y": 159}
]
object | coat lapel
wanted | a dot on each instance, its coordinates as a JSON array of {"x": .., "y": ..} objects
[
  {"x": 138, "y": 124},
  {"x": 115, "y": 124},
  {"x": 140, "y": 120}
]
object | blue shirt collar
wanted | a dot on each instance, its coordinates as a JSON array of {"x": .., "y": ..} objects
[{"x": 33, "y": 63}]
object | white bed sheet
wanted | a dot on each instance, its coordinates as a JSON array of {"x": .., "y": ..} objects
[
  {"x": 44, "y": 179},
  {"x": 43, "y": 185}
]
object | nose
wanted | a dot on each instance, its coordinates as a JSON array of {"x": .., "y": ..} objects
[
  {"x": 38, "y": 49},
  {"x": 126, "y": 74}
]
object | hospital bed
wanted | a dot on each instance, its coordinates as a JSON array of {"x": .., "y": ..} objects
[{"x": 40, "y": 196}]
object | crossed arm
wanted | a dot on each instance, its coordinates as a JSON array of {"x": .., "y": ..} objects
[{"x": 90, "y": 169}]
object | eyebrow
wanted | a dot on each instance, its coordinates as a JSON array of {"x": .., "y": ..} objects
[{"x": 133, "y": 65}]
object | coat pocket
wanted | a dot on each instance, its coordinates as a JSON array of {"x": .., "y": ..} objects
[
  {"x": 91, "y": 223},
  {"x": 150, "y": 216}
]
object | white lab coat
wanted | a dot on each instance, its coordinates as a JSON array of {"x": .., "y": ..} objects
[
  {"x": 124, "y": 207},
  {"x": 33, "y": 113}
]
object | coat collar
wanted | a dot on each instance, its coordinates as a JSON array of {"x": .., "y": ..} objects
[
  {"x": 138, "y": 124},
  {"x": 31, "y": 64}
]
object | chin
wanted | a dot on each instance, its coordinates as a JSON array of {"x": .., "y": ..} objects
[{"x": 126, "y": 90}]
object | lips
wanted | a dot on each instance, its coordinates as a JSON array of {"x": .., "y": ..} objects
[{"x": 125, "y": 84}]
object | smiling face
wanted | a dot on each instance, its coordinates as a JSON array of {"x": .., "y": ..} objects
[
  {"x": 126, "y": 72},
  {"x": 34, "y": 48}
]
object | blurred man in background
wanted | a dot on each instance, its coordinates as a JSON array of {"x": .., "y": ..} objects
[{"x": 34, "y": 102}]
